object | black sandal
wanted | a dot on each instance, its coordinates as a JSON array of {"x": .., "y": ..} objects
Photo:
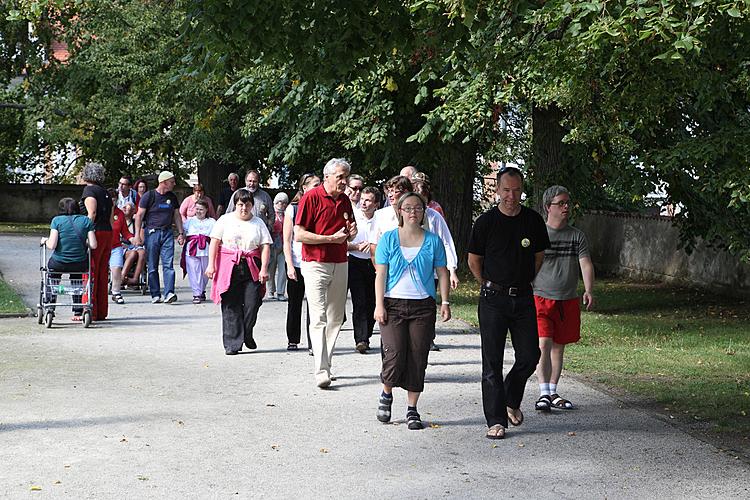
[
  {"x": 560, "y": 403},
  {"x": 291, "y": 347},
  {"x": 544, "y": 403}
]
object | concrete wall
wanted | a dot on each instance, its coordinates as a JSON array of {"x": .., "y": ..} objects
[
  {"x": 38, "y": 202},
  {"x": 647, "y": 247}
]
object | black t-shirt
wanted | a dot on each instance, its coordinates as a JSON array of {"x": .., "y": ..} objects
[
  {"x": 508, "y": 245},
  {"x": 159, "y": 209},
  {"x": 225, "y": 196},
  {"x": 103, "y": 206}
]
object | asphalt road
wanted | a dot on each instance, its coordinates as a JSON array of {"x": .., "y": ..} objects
[{"x": 146, "y": 405}]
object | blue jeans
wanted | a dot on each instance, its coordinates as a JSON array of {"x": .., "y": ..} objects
[{"x": 160, "y": 245}]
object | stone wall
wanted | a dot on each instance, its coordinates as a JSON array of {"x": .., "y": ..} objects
[
  {"x": 648, "y": 247},
  {"x": 38, "y": 202}
]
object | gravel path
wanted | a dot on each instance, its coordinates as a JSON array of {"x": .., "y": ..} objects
[{"x": 146, "y": 405}]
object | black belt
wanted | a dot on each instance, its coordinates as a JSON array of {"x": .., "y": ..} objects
[{"x": 511, "y": 291}]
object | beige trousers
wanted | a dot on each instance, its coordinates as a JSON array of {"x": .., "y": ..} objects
[{"x": 325, "y": 287}]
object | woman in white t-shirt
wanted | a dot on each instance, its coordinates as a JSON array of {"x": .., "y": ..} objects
[
  {"x": 238, "y": 263},
  {"x": 406, "y": 259},
  {"x": 295, "y": 287}
]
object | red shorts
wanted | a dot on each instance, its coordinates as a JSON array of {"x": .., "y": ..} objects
[{"x": 558, "y": 319}]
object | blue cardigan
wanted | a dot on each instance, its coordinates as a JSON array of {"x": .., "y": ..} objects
[{"x": 431, "y": 255}]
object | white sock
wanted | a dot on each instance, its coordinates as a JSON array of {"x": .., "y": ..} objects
[
  {"x": 544, "y": 390},
  {"x": 552, "y": 388}
]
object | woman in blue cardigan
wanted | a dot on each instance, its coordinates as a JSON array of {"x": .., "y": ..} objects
[{"x": 406, "y": 261}]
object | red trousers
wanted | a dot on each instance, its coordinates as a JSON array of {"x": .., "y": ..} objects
[{"x": 100, "y": 270}]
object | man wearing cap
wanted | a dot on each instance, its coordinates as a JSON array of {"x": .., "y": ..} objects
[
  {"x": 263, "y": 205},
  {"x": 505, "y": 252},
  {"x": 157, "y": 211}
]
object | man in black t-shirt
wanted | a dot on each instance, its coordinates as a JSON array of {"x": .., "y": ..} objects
[
  {"x": 505, "y": 253},
  {"x": 157, "y": 211}
]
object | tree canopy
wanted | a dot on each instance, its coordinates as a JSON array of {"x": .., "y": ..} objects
[{"x": 614, "y": 99}]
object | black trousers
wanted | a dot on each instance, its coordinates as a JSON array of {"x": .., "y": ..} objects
[
  {"x": 296, "y": 292},
  {"x": 498, "y": 314},
  {"x": 362, "y": 288},
  {"x": 239, "y": 312}
]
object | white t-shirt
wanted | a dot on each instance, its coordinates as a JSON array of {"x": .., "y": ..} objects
[
  {"x": 364, "y": 227},
  {"x": 296, "y": 245},
  {"x": 194, "y": 226},
  {"x": 408, "y": 285},
  {"x": 238, "y": 234},
  {"x": 386, "y": 220}
]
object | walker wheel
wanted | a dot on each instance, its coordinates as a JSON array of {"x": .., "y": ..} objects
[
  {"x": 40, "y": 314},
  {"x": 86, "y": 319},
  {"x": 48, "y": 319}
]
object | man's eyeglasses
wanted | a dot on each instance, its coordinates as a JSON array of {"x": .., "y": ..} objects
[
  {"x": 561, "y": 204},
  {"x": 412, "y": 210},
  {"x": 356, "y": 188}
]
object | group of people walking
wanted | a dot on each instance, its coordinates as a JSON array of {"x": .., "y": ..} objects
[{"x": 397, "y": 261}]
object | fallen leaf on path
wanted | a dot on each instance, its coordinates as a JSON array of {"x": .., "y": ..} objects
[
  {"x": 57, "y": 482},
  {"x": 521, "y": 445},
  {"x": 36, "y": 488},
  {"x": 123, "y": 440},
  {"x": 142, "y": 478},
  {"x": 324, "y": 450},
  {"x": 434, "y": 426},
  {"x": 270, "y": 404},
  {"x": 275, "y": 447},
  {"x": 571, "y": 434}
]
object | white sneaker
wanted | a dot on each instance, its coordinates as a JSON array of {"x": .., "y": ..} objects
[
  {"x": 170, "y": 298},
  {"x": 156, "y": 300},
  {"x": 322, "y": 380}
]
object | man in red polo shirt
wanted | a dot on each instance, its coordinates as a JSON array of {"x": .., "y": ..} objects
[{"x": 324, "y": 223}]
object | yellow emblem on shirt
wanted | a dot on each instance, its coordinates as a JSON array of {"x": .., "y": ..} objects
[{"x": 525, "y": 243}]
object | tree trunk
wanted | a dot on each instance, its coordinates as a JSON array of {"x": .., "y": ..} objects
[
  {"x": 548, "y": 151},
  {"x": 453, "y": 187},
  {"x": 213, "y": 175}
]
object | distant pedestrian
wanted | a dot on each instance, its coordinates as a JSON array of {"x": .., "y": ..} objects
[
  {"x": 98, "y": 204},
  {"x": 354, "y": 187},
  {"x": 156, "y": 214},
  {"x": 406, "y": 260},
  {"x": 233, "y": 183},
  {"x": 194, "y": 261},
  {"x": 505, "y": 252},
  {"x": 140, "y": 187},
  {"x": 276, "y": 267},
  {"x": 362, "y": 271},
  {"x": 238, "y": 264},
  {"x": 121, "y": 239},
  {"x": 125, "y": 193},
  {"x": 325, "y": 222},
  {"x": 558, "y": 313},
  {"x": 263, "y": 205},
  {"x": 293, "y": 258},
  {"x": 187, "y": 207}
]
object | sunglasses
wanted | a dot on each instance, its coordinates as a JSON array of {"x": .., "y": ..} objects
[{"x": 562, "y": 203}]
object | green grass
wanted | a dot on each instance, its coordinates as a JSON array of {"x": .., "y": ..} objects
[
  {"x": 680, "y": 351},
  {"x": 24, "y": 228},
  {"x": 10, "y": 302}
]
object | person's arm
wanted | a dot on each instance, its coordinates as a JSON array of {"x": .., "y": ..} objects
[
  {"x": 90, "y": 204},
  {"x": 138, "y": 229},
  {"x": 445, "y": 290},
  {"x": 219, "y": 211},
  {"x": 51, "y": 240},
  {"x": 310, "y": 238},
  {"x": 287, "y": 235},
  {"x": 213, "y": 251},
  {"x": 351, "y": 229},
  {"x": 441, "y": 229},
  {"x": 91, "y": 236},
  {"x": 475, "y": 266},
  {"x": 538, "y": 260},
  {"x": 211, "y": 211},
  {"x": 184, "y": 208},
  {"x": 180, "y": 231},
  {"x": 381, "y": 271},
  {"x": 587, "y": 270},
  {"x": 265, "y": 256}
]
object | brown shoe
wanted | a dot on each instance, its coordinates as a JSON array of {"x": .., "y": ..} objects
[{"x": 362, "y": 347}]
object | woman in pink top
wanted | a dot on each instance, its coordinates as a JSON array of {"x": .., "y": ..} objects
[
  {"x": 187, "y": 208},
  {"x": 238, "y": 264}
]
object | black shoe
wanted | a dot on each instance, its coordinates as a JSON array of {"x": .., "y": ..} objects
[
  {"x": 230, "y": 352},
  {"x": 434, "y": 347},
  {"x": 414, "y": 421},
  {"x": 203, "y": 296},
  {"x": 250, "y": 343},
  {"x": 361, "y": 347},
  {"x": 291, "y": 347}
]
